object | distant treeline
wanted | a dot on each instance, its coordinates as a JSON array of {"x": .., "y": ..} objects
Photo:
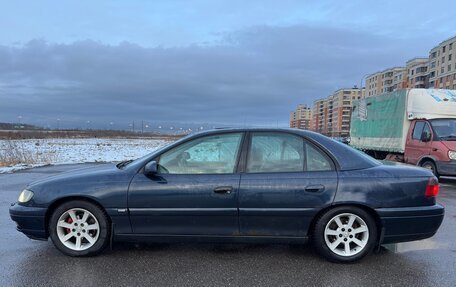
[
  {"x": 15, "y": 126},
  {"x": 24, "y": 133}
]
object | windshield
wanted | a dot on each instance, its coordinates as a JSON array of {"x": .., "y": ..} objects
[
  {"x": 444, "y": 129},
  {"x": 123, "y": 164}
]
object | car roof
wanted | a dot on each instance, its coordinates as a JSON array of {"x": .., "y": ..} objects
[
  {"x": 254, "y": 129},
  {"x": 347, "y": 157}
]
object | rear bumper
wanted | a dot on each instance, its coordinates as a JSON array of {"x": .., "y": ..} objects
[
  {"x": 29, "y": 220},
  {"x": 446, "y": 167},
  {"x": 410, "y": 223}
]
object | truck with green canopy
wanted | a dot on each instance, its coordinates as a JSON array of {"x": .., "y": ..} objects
[{"x": 416, "y": 126}]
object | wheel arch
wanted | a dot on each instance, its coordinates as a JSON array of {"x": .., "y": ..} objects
[
  {"x": 62, "y": 200},
  {"x": 429, "y": 158},
  {"x": 364, "y": 207},
  {"x": 426, "y": 158}
]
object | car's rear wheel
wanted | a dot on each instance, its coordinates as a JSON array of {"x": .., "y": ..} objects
[
  {"x": 79, "y": 228},
  {"x": 345, "y": 234}
]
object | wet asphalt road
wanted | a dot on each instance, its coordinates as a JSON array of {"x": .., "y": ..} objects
[{"x": 24, "y": 262}]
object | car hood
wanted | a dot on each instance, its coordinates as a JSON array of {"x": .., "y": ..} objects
[
  {"x": 105, "y": 184},
  {"x": 451, "y": 145},
  {"x": 80, "y": 173}
]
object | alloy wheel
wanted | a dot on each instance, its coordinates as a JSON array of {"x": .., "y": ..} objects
[
  {"x": 346, "y": 234},
  {"x": 78, "y": 229}
]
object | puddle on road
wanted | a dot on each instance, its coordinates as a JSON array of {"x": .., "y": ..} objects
[{"x": 415, "y": 246}]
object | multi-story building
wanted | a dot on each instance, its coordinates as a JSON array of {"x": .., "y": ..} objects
[
  {"x": 399, "y": 80},
  {"x": 320, "y": 116},
  {"x": 342, "y": 103},
  {"x": 417, "y": 73},
  {"x": 331, "y": 116},
  {"x": 386, "y": 81},
  {"x": 374, "y": 84},
  {"x": 301, "y": 117},
  {"x": 442, "y": 65}
]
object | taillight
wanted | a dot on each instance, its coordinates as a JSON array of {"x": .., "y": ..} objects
[{"x": 432, "y": 188}]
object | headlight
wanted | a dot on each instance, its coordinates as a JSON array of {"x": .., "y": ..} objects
[
  {"x": 25, "y": 196},
  {"x": 452, "y": 154}
]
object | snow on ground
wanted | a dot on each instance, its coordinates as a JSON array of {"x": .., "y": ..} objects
[
  {"x": 16, "y": 167},
  {"x": 39, "y": 152}
]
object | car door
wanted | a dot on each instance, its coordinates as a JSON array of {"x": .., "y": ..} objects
[
  {"x": 194, "y": 192},
  {"x": 287, "y": 180},
  {"x": 416, "y": 147}
]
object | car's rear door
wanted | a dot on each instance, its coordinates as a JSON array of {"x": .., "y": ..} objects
[
  {"x": 195, "y": 191},
  {"x": 286, "y": 180}
]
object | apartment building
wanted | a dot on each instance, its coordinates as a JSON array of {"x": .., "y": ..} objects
[
  {"x": 342, "y": 103},
  {"x": 331, "y": 116},
  {"x": 386, "y": 81},
  {"x": 442, "y": 65},
  {"x": 399, "y": 80},
  {"x": 319, "y": 116},
  {"x": 374, "y": 84},
  {"x": 417, "y": 73},
  {"x": 301, "y": 117}
]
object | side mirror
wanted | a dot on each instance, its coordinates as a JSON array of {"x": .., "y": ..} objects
[
  {"x": 425, "y": 136},
  {"x": 151, "y": 167}
]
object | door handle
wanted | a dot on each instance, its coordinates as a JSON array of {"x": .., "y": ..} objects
[
  {"x": 315, "y": 188},
  {"x": 223, "y": 189}
]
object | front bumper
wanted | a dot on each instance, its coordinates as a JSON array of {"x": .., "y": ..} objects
[
  {"x": 29, "y": 220},
  {"x": 446, "y": 167},
  {"x": 410, "y": 223}
]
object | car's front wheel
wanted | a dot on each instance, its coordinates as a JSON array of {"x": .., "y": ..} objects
[
  {"x": 345, "y": 234},
  {"x": 79, "y": 228}
]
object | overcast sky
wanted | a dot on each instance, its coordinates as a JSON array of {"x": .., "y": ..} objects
[{"x": 232, "y": 62}]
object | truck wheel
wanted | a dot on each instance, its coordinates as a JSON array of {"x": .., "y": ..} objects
[{"x": 429, "y": 164}]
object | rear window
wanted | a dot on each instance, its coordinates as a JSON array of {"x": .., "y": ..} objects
[{"x": 347, "y": 157}]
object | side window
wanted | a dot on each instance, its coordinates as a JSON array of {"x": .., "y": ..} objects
[
  {"x": 208, "y": 155},
  {"x": 418, "y": 130},
  {"x": 316, "y": 161},
  {"x": 427, "y": 130},
  {"x": 275, "y": 152}
]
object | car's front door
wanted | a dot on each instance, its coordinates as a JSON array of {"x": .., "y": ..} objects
[
  {"x": 286, "y": 181},
  {"x": 195, "y": 191}
]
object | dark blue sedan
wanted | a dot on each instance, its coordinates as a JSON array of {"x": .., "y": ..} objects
[{"x": 237, "y": 185}]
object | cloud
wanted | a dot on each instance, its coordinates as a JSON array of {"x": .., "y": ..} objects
[{"x": 255, "y": 75}]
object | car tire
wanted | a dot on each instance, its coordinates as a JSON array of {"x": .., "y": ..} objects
[
  {"x": 429, "y": 164},
  {"x": 341, "y": 227},
  {"x": 79, "y": 228}
]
